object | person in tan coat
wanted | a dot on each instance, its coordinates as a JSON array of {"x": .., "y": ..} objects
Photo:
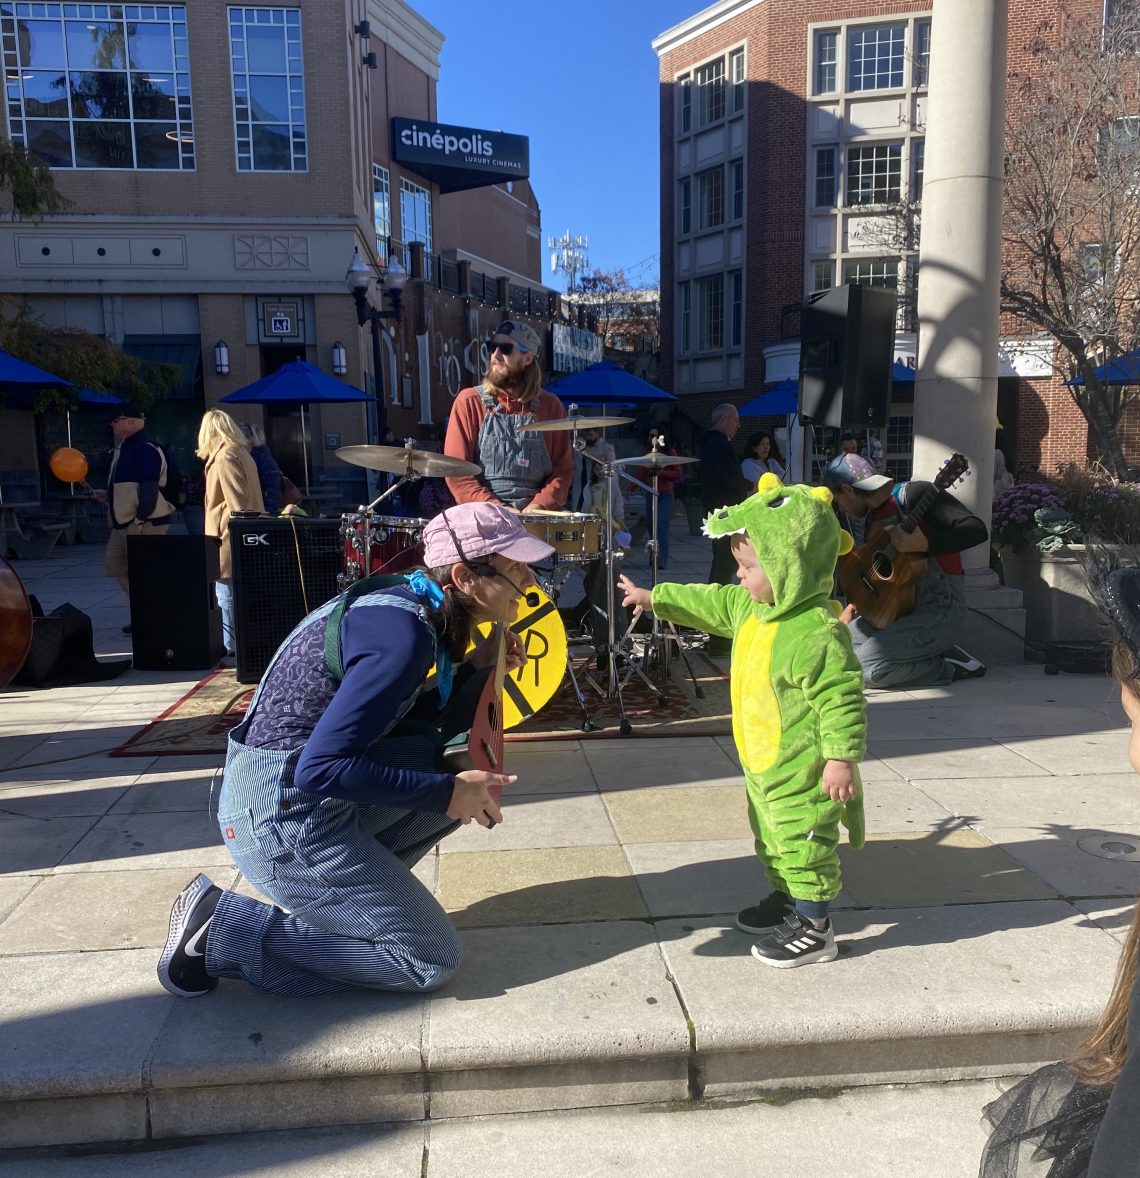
[{"x": 231, "y": 485}]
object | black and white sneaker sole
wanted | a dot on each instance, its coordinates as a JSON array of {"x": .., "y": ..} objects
[
  {"x": 181, "y": 919},
  {"x": 828, "y": 951}
]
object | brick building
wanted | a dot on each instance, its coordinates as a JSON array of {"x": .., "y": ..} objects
[
  {"x": 223, "y": 162},
  {"x": 784, "y": 123}
]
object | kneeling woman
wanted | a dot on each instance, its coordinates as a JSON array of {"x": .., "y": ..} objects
[{"x": 326, "y": 804}]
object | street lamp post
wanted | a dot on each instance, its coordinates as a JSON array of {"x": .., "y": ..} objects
[{"x": 359, "y": 277}]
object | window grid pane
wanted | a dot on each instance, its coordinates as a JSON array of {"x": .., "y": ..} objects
[
  {"x": 686, "y": 206},
  {"x": 686, "y": 317},
  {"x": 710, "y": 92},
  {"x": 824, "y": 177},
  {"x": 826, "y": 62},
  {"x": 917, "y": 167},
  {"x": 736, "y": 71},
  {"x": 710, "y": 198},
  {"x": 876, "y": 57},
  {"x": 99, "y": 85},
  {"x": 872, "y": 271},
  {"x": 822, "y": 276},
  {"x": 921, "y": 52},
  {"x": 736, "y": 330},
  {"x": 710, "y": 313},
  {"x": 686, "y": 104},
  {"x": 381, "y": 209},
  {"x": 738, "y": 190},
  {"x": 269, "y": 89},
  {"x": 415, "y": 218},
  {"x": 874, "y": 174}
]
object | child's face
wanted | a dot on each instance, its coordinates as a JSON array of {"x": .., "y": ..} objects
[
  {"x": 753, "y": 577},
  {"x": 1131, "y": 707}
]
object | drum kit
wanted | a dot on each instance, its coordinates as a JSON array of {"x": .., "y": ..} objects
[{"x": 379, "y": 543}]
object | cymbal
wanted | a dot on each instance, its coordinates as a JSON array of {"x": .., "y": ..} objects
[
  {"x": 560, "y": 423},
  {"x": 407, "y": 461},
  {"x": 656, "y": 458}
]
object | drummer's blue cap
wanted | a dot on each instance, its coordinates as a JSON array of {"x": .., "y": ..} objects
[{"x": 520, "y": 334}]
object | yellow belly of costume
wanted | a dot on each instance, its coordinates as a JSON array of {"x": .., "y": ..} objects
[{"x": 756, "y": 724}]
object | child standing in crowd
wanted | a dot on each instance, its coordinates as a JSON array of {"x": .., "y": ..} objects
[
  {"x": 1079, "y": 1118},
  {"x": 798, "y": 714}
]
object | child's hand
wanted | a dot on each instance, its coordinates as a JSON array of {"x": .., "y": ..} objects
[
  {"x": 634, "y": 597},
  {"x": 839, "y": 781}
]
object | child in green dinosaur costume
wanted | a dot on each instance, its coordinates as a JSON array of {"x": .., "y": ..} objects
[{"x": 799, "y": 718}]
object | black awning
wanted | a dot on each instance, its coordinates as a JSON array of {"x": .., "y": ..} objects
[{"x": 185, "y": 351}]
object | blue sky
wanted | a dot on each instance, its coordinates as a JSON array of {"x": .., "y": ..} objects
[{"x": 581, "y": 81}]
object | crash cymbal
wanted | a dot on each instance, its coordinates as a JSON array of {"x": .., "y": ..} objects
[
  {"x": 656, "y": 458},
  {"x": 408, "y": 461},
  {"x": 559, "y": 423}
]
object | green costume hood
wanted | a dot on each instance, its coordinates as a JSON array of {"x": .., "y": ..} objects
[{"x": 797, "y": 540}]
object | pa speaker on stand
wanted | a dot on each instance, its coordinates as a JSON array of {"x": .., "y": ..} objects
[
  {"x": 847, "y": 339},
  {"x": 283, "y": 568}
]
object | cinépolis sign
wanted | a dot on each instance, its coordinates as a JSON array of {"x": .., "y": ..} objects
[{"x": 459, "y": 157}]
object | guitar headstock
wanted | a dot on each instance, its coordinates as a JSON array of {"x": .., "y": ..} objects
[{"x": 952, "y": 470}]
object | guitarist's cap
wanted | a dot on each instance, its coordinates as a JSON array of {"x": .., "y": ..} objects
[
  {"x": 852, "y": 470},
  {"x": 470, "y": 531}
]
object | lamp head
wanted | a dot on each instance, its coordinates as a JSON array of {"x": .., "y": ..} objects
[
  {"x": 359, "y": 274},
  {"x": 395, "y": 277}
]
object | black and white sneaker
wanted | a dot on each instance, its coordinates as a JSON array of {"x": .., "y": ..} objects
[
  {"x": 796, "y": 942},
  {"x": 765, "y": 917},
  {"x": 182, "y": 966},
  {"x": 964, "y": 664}
]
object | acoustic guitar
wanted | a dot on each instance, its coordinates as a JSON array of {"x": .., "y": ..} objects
[
  {"x": 878, "y": 579},
  {"x": 15, "y": 623}
]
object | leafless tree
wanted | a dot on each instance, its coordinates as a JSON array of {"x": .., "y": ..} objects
[
  {"x": 1072, "y": 207},
  {"x": 621, "y": 310}
]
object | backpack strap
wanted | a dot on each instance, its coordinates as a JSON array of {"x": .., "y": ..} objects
[{"x": 370, "y": 584}]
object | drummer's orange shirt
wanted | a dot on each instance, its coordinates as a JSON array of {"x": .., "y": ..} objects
[{"x": 462, "y": 441}]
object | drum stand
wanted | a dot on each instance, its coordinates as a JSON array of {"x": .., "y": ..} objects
[{"x": 552, "y": 587}]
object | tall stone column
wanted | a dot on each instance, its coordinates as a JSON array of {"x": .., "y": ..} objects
[{"x": 955, "y": 396}]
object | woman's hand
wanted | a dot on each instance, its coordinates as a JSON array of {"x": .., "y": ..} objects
[
  {"x": 487, "y": 650},
  {"x": 470, "y": 799}
]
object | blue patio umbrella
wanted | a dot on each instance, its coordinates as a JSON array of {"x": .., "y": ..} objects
[
  {"x": 606, "y": 384},
  {"x": 779, "y": 401},
  {"x": 98, "y": 397},
  {"x": 18, "y": 375},
  {"x": 1123, "y": 370},
  {"x": 297, "y": 383}
]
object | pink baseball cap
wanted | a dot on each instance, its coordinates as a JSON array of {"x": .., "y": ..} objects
[{"x": 470, "y": 531}]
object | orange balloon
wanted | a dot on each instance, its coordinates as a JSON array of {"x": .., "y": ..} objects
[{"x": 68, "y": 465}]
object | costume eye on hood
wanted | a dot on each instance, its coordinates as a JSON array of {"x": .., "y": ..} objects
[{"x": 796, "y": 536}]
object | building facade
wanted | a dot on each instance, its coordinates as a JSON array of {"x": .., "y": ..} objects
[{"x": 786, "y": 131}]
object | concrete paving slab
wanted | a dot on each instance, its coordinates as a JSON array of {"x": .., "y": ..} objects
[
  {"x": 1089, "y": 752},
  {"x": 869, "y": 1133},
  {"x": 187, "y": 840},
  {"x": 976, "y": 990},
  {"x": 542, "y": 1018},
  {"x": 13, "y": 890},
  {"x": 917, "y": 760},
  {"x": 894, "y": 804},
  {"x": 59, "y": 747},
  {"x": 874, "y": 768},
  {"x": 646, "y": 764},
  {"x": 82, "y": 912},
  {"x": 896, "y": 720},
  {"x": 1051, "y": 853},
  {"x": 948, "y": 866},
  {"x": 1109, "y": 798},
  {"x": 549, "y": 767},
  {"x": 37, "y": 844},
  {"x": 377, "y": 1151},
  {"x": 38, "y": 798},
  {"x": 679, "y": 813},
  {"x": 538, "y": 820},
  {"x": 537, "y": 887},
  {"x": 163, "y": 792},
  {"x": 1111, "y": 915}
]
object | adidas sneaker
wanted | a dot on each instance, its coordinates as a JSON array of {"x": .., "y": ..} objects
[{"x": 796, "y": 942}]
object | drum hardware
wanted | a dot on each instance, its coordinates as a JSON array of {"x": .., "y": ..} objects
[
  {"x": 378, "y": 544},
  {"x": 573, "y": 421}
]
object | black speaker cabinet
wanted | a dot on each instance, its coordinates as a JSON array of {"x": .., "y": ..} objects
[
  {"x": 847, "y": 338},
  {"x": 175, "y": 621},
  {"x": 282, "y": 569}
]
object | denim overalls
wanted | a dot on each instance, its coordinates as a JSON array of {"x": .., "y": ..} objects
[
  {"x": 515, "y": 465},
  {"x": 354, "y": 915}
]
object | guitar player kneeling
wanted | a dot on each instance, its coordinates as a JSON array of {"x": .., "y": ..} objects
[{"x": 917, "y": 648}]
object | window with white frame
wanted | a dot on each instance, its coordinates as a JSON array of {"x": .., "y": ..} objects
[
  {"x": 685, "y": 204},
  {"x": 710, "y": 198},
  {"x": 736, "y": 76},
  {"x": 686, "y": 85},
  {"x": 710, "y": 92},
  {"x": 874, "y": 174},
  {"x": 685, "y": 302},
  {"x": 381, "y": 209},
  {"x": 736, "y": 309},
  {"x": 824, "y": 174},
  {"x": 710, "y": 313},
  {"x": 737, "y": 190},
  {"x": 825, "y": 77},
  {"x": 921, "y": 52},
  {"x": 876, "y": 57},
  {"x": 415, "y": 217},
  {"x": 99, "y": 85},
  {"x": 871, "y": 271},
  {"x": 822, "y": 276},
  {"x": 269, "y": 89},
  {"x": 917, "y": 167}
]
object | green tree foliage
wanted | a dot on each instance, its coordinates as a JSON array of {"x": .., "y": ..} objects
[{"x": 29, "y": 184}]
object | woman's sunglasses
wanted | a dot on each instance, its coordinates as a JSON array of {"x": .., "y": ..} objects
[{"x": 493, "y": 345}]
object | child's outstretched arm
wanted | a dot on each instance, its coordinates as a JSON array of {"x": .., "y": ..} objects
[
  {"x": 716, "y": 609},
  {"x": 635, "y": 598}
]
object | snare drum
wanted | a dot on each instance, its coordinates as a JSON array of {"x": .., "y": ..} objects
[
  {"x": 575, "y": 536},
  {"x": 379, "y": 544}
]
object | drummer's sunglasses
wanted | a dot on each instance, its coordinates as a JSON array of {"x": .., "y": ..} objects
[{"x": 493, "y": 345}]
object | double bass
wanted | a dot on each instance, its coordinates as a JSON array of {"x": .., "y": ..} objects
[
  {"x": 15, "y": 623},
  {"x": 878, "y": 579}
]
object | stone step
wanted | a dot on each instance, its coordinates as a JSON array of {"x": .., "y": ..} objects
[{"x": 553, "y": 1017}]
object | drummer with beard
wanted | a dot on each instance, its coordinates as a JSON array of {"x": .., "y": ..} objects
[{"x": 522, "y": 470}]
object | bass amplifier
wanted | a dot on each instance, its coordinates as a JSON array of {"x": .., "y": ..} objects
[{"x": 283, "y": 568}]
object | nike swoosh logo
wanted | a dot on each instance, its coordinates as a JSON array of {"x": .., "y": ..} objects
[{"x": 199, "y": 938}]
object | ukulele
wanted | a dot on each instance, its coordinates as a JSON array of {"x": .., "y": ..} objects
[
  {"x": 478, "y": 709},
  {"x": 878, "y": 579}
]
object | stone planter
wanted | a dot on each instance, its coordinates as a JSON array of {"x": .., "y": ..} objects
[{"x": 1058, "y": 607}]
